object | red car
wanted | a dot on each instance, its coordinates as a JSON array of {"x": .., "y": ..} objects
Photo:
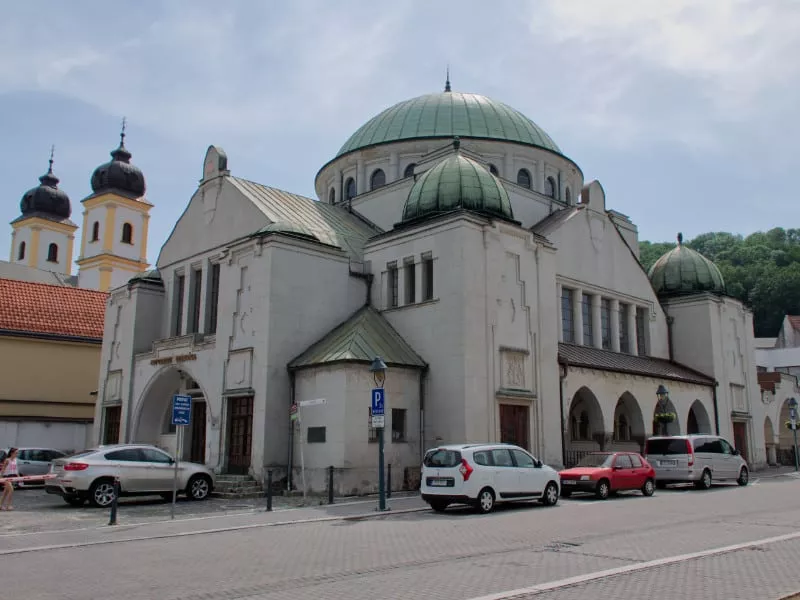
[{"x": 604, "y": 472}]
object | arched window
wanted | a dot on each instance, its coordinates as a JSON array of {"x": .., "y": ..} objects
[
  {"x": 95, "y": 231},
  {"x": 350, "y": 189},
  {"x": 377, "y": 179},
  {"x": 409, "y": 170},
  {"x": 622, "y": 431},
  {"x": 127, "y": 233},
  {"x": 524, "y": 178},
  {"x": 493, "y": 170},
  {"x": 332, "y": 196},
  {"x": 550, "y": 187},
  {"x": 21, "y": 252},
  {"x": 52, "y": 253},
  {"x": 583, "y": 426}
]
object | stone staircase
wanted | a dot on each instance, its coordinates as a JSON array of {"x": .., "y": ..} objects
[{"x": 237, "y": 486}]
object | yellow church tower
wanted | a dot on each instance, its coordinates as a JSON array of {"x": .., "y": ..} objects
[
  {"x": 43, "y": 236},
  {"x": 115, "y": 221}
]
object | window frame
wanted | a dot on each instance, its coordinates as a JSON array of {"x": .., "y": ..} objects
[
  {"x": 523, "y": 175},
  {"x": 605, "y": 323},
  {"x": 392, "y": 285},
  {"x": 52, "y": 253},
  {"x": 347, "y": 189},
  {"x": 427, "y": 276},
  {"x": 379, "y": 175},
  {"x": 567, "y": 299},
  {"x": 21, "y": 250},
  {"x": 127, "y": 228}
]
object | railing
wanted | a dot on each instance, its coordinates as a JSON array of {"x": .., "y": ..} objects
[{"x": 573, "y": 457}]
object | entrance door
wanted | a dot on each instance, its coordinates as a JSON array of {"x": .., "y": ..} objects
[
  {"x": 240, "y": 434},
  {"x": 514, "y": 425},
  {"x": 113, "y": 419},
  {"x": 197, "y": 452},
  {"x": 740, "y": 439}
]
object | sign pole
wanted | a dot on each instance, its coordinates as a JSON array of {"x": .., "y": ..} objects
[
  {"x": 181, "y": 416},
  {"x": 793, "y": 423},
  {"x": 179, "y": 439},
  {"x": 378, "y": 408},
  {"x": 381, "y": 477}
]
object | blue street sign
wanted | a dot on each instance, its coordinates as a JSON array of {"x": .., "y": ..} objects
[
  {"x": 378, "y": 397},
  {"x": 181, "y": 409}
]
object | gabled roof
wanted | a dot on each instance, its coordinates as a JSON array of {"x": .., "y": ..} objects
[
  {"x": 332, "y": 225},
  {"x": 362, "y": 337},
  {"x": 51, "y": 311},
  {"x": 647, "y": 366},
  {"x": 554, "y": 220}
]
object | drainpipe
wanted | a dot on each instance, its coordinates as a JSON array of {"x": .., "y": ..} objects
[
  {"x": 670, "y": 321},
  {"x": 423, "y": 374},
  {"x": 561, "y": 377},
  {"x": 290, "y": 461},
  {"x": 368, "y": 279},
  {"x": 716, "y": 409}
]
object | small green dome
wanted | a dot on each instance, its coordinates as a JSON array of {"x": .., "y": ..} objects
[
  {"x": 457, "y": 183},
  {"x": 683, "y": 271},
  {"x": 446, "y": 115}
]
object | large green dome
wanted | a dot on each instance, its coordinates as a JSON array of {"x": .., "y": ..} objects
[
  {"x": 683, "y": 271},
  {"x": 446, "y": 115},
  {"x": 457, "y": 183}
]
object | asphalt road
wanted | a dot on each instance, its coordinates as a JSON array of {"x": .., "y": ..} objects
[{"x": 728, "y": 542}]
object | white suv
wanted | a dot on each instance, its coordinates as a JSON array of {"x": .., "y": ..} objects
[{"x": 484, "y": 474}]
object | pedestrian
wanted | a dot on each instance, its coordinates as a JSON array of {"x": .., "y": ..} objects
[{"x": 8, "y": 469}]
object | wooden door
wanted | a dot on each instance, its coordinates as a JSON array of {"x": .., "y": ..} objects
[
  {"x": 197, "y": 452},
  {"x": 112, "y": 425},
  {"x": 240, "y": 434},
  {"x": 514, "y": 422},
  {"x": 740, "y": 439}
]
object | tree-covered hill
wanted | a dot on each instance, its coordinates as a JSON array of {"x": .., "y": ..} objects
[{"x": 762, "y": 270}]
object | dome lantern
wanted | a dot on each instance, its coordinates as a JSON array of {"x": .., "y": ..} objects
[{"x": 683, "y": 271}]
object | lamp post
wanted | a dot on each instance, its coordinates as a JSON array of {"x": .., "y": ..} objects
[
  {"x": 662, "y": 394},
  {"x": 378, "y": 399},
  {"x": 793, "y": 424}
]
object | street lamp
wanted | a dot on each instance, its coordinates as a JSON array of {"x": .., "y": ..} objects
[
  {"x": 378, "y": 402},
  {"x": 662, "y": 415},
  {"x": 793, "y": 424}
]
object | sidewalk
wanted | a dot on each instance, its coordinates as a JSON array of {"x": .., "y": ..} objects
[
  {"x": 102, "y": 533},
  {"x": 777, "y": 471}
]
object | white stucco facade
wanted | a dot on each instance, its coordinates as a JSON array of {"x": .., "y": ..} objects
[{"x": 539, "y": 327}]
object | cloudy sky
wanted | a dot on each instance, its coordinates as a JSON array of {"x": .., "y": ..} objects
[{"x": 685, "y": 111}]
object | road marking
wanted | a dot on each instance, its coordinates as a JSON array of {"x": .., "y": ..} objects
[{"x": 660, "y": 562}]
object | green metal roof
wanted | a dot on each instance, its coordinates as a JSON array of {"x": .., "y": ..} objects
[
  {"x": 362, "y": 337},
  {"x": 457, "y": 183},
  {"x": 683, "y": 271},
  {"x": 293, "y": 214},
  {"x": 446, "y": 115}
]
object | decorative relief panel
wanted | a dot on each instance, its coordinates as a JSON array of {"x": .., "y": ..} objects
[
  {"x": 113, "y": 391},
  {"x": 513, "y": 313},
  {"x": 239, "y": 369},
  {"x": 513, "y": 365}
]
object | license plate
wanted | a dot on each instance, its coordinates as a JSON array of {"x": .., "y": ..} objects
[
  {"x": 569, "y": 482},
  {"x": 439, "y": 483},
  {"x": 668, "y": 463}
]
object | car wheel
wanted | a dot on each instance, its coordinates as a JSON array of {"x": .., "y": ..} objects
[
  {"x": 744, "y": 477},
  {"x": 438, "y": 505},
  {"x": 648, "y": 488},
  {"x": 101, "y": 494},
  {"x": 550, "y": 496},
  {"x": 74, "y": 500},
  {"x": 603, "y": 489},
  {"x": 486, "y": 500},
  {"x": 199, "y": 487},
  {"x": 705, "y": 481}
]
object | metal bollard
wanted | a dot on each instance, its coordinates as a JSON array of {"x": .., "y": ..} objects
[
  {"x": 269, "y": 490},
  {"x": 330, "y": 484},
  {"x": 389, "y": 481},
  {"x": 113, "y": 517}
]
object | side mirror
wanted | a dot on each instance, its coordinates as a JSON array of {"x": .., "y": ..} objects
[
  {"x": 736, "y": 452},
  {"x": 537, "y": 463}
]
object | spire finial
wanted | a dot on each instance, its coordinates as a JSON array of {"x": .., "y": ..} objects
[
  {"x": 52, "y": 154},
  {"x": 447, "y": 80},
  {"x": 456, "y": 143},
  {"x": 680, "y": 238},
  {"x": 122, "y": 133}
]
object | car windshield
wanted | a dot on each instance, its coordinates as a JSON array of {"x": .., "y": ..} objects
[{"x": 596, "y": 460}]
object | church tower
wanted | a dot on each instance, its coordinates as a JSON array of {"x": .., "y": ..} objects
[
  {"x": 43, "y": 236},
  {"x": 115, "y": 221}
]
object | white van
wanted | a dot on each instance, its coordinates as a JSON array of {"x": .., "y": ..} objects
[
  {"x": 483, "y": 474},
  {"x": 699, "y": 459}
]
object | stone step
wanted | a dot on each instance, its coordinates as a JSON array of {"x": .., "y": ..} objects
[
  {"x": 229, "y": 477},
  {"x": 237, "y": 495}
]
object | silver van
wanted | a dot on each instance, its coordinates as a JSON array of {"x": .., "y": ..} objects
[{"x": 699, "y": 459}]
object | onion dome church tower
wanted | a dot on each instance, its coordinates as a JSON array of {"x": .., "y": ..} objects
[
  {"x": 43, "y": 236},
  {"x": 115, "y": 221}
]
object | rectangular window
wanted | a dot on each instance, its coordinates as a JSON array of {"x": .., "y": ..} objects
[
  {"x": 392, "y": 284},
  {"x": 195, "y": 299},
  {"x": 316, "y": 435},
  {"x": 567, "y": 321},
  {"x": 605, "y": 321},
  {"x": 398, "y": 424},
  {"x": 213, "y": 299},
  {"x": 410, "y": 276},
  {"x": 641, "y": 340},
  {"x": 586, "y": 309},
  {"x": 623, "y": 328},
  {"x": 427, "y": 276},
  {"x": 177, "y": 323}
]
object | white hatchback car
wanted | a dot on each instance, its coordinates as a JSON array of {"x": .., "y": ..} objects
[{"x": 482, "y": 475}]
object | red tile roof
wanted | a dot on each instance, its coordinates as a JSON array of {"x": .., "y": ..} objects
[{"x": 40, "y": 309}]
